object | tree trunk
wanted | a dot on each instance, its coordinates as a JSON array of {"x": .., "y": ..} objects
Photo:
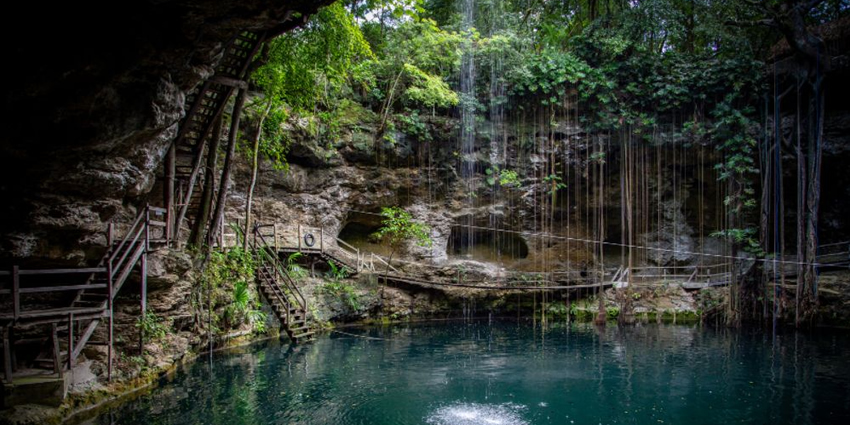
[
  {"x": 815, "y": 152},
  {"x": 256, "y": 146},
  {"x": 201, "y": 222},
  {"x": 801, "y": 214},
  {"x": 224, "y": 184}
]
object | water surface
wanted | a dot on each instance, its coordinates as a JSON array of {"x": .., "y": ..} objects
[{"x": 512, "y": 374}]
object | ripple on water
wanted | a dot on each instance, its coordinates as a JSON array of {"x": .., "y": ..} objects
[{"x": 477, "y": 414}]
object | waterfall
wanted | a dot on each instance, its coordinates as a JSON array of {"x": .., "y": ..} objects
[
  {"x": 498, "y": 140},
  {"x": 467, "y": 114}
]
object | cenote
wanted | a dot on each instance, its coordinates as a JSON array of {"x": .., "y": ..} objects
[
  {"x": 511, "y": 373},
  {"x": 188, "y": 176}
]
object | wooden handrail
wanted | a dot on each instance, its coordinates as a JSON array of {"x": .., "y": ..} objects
[
  {"x": 123, "y": 241},
  {"x": 62, "y": 271},
  {"x": 263, "y": 246},
  {"x": 130, "y": 247},
  {"x": 58, "y": 288}
]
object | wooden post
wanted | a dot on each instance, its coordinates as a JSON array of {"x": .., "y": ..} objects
[
  {"x": 299, "y": 237},
  {"x": 109, "y": 348},
  {"x": 54, "y": 337},
  {"x": 170, "y": 172},
  {"x": 12, "y": 351},
  {"x": 276, "y": 241},
  {"x": 110, "y": 236},
  {"x": 322, "y": 239},
  {"x": 7, "y": 356},
  {"x": 143, "y": 304},
  {"x": 70, "y": 341},
  {"x": 147, "y": 228},
  {"x": 109, "y": 319},
  {"x": 16, "y": 296}
]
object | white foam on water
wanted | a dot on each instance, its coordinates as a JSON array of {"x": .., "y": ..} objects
[{"x": 477, "y": 414}]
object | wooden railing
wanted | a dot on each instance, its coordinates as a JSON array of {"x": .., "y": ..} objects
[
  {"x": 268, "y": 256},
  {"x": 111, "y": 272},
  {"x": 833, "y": 253},
  {"x": 707, "y": 275}
]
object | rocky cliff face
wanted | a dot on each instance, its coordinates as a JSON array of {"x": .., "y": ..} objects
[
  {"x": 95, "y": 93},
  {"x": 346, "y": 180}
]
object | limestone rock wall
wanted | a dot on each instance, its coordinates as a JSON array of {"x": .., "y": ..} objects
[{"x": 95, "y": 95}]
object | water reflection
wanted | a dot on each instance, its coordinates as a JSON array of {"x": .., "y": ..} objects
[{"x": 442, "y": 372}]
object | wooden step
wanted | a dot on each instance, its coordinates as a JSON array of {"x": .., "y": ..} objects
[{"x": 301, "y": 336}]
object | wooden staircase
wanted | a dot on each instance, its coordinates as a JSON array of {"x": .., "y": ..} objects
[
  {"x": 190, "y": 148},
  {"x": 72, "y": 327},
  {"x": 280, "y": 291}
]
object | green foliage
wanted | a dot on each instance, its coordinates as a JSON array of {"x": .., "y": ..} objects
[
  {"x": 257, "y": 319},
  {"x": 304, "y": 70},
  {"x": 294, "y": 270},
  {"x": 555, "y": 183},
  {"x": 412, "y": 67},
  {"x": 597, "y": 157},
  {"x": 509, "y": 178},
  {"x": 398, "y": 226},
  {"x": 747, "y": 238},
  {"x": 336, "y": 272},
  {"x": 428, "y": 90},
  {"x": 241, "y": 297},
  {"x": 345, "y": 292},
  {"x": 153, "y": 327},
  {"x": 224, "y": 285}
]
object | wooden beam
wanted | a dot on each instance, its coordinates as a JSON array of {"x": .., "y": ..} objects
[
  {"x": 56, "y": 312},
  {"x": 84, "y": 338},
  {"x": 109, "y": 347},
  {"x": 57, "y": 366},
  {"x": 229, "y": 82},
  {"x": 70, "y": 341},
  {"x": 57, "y": 288},
  {"x": 193, "y": 177},
  {"x": 7, "y": 356},
  {"x": 55, "y": 319},
  {"x": 224, "y": 185},
  {"x": 85, "y": 270},
  {"x": 143, "y": 301},
  {"x": 16, "y": 283},
  {"x": 170, "y": 172}
]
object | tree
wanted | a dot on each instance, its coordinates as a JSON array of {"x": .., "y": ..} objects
[
  {"x": 299, "y": 71},
  {"x": 791, "y": 19},
  {"x": 397, "y": 228},
  {"x": 413, "y": 65}
]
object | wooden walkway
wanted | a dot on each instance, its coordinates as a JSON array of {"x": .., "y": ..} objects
[
  {"x": 316, "y": 242},
  {"x": 70, "y": 328},
  {"x": 830, "y": 256}
]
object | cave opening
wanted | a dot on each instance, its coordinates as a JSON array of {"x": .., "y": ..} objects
[
  {"x": 486, "y": 245},
  {"x": 358, "y": 232}
]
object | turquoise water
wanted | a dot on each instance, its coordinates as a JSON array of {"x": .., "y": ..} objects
[{"x": 508, "y": 373}]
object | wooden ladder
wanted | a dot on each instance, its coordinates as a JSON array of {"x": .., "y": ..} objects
[{"x": 208, "y": 102}]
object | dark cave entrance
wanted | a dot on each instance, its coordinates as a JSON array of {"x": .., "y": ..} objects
[{"x": 486, "y": 245}]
